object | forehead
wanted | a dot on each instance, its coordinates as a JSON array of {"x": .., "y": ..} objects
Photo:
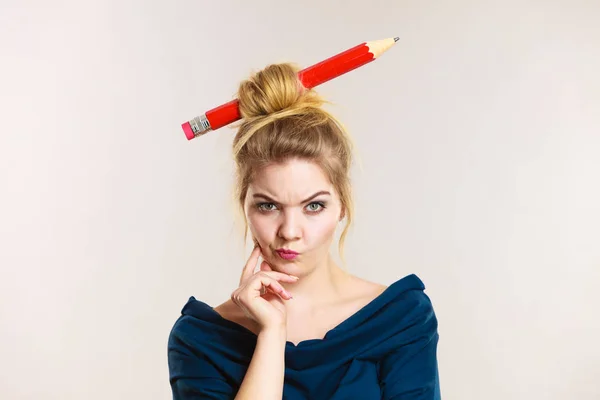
[{"x": 291, "y": 177}]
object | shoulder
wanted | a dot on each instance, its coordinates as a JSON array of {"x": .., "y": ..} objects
[
  {"x": 191, "y": 324},
  {"x": 195, "y": 354},
  {"x": 409, "y": 287},
  {"x": 406, "y": 321},
  {"x": 403, "y": 303},
  {"x": 195, "y": 331},
  {"x": 409, "y": 292},
  {"x": 411, "y": 306},
  {"x": 409, "y": 352},
  {"x": 363, "y": 289}
]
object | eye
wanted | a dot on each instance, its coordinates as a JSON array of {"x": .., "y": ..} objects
[
  {"x": 265, "y": 206},
  {"x": 319, "y": 207},
  {"x": 314, "y": 208}
]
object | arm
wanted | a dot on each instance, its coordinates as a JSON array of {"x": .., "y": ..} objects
[
  {"x": 410, "y": 371},
  {"x": 264, "y": 378}
]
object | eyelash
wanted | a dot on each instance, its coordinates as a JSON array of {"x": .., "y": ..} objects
[{"x": 260, "y": 208}]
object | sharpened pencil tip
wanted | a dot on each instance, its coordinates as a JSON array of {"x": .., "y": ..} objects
[{"x": 396, "y": 39}]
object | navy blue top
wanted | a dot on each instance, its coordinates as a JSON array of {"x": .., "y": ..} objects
[{"x": 386, "y": 350}]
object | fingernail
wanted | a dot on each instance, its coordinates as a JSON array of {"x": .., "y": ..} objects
[
  {"x": 295, "y": 277},
  {"x": 289, "y": 294}
]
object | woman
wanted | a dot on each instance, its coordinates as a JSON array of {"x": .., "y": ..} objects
[{"x": 301, "y": 327}]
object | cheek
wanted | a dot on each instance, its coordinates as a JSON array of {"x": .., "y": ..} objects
[
  {"x": 259, "y": 225},
  {"x": 323, "y": 231}
]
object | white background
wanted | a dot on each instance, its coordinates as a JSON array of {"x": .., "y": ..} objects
[{"x": 479, "y": 136}]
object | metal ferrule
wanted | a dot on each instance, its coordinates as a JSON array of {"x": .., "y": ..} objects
[{"x": 200, "y": 125}]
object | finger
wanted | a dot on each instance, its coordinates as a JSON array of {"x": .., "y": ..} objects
[
  {"x": 276, "y": 288},
  {"x": 264, "y": 266},
  {"x": 279, "y": 276},
  {"x": 248, "y": 269},
  {"x": 255, "y": 285}
]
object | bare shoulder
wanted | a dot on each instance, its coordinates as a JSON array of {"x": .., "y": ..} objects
[{"x": 365, "y": 290}]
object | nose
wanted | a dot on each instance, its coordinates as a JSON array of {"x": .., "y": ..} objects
[{"x": 290, "y": 228}]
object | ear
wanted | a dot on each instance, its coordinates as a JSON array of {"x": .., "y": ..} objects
[{"x": 342, "y": 214}]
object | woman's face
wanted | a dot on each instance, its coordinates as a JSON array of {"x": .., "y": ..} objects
[{"x": 293, "y": 206}]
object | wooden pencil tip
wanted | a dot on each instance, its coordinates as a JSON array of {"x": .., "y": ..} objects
[{"x": 396, "y": 39}]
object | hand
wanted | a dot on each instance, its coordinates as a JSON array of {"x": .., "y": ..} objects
[{"x": 268, "y": 308}]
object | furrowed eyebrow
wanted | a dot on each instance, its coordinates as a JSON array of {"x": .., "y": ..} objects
[{"x": 264, "y": 196}]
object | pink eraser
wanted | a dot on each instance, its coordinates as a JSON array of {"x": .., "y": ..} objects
[{"x": 187, "y": 129}]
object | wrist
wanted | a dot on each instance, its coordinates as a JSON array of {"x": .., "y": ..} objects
[{"x": 277, "y": 332}]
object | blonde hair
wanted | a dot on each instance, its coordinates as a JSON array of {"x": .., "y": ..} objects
[{"x": 282, "y": 120}]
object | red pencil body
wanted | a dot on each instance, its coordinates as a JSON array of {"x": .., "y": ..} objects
[
  {"x": 310, "y": 77},
  {"x": 335, "y": 66}
]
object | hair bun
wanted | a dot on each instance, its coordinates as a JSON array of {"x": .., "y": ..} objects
[{"x": 274, "y": 89}]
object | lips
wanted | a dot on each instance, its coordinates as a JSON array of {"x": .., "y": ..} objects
[
  {"x": 286, "y": 254},
  {"x": 284, "y": 251}
]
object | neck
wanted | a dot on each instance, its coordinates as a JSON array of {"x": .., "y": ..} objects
[{"x": 322, "y": 286}]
